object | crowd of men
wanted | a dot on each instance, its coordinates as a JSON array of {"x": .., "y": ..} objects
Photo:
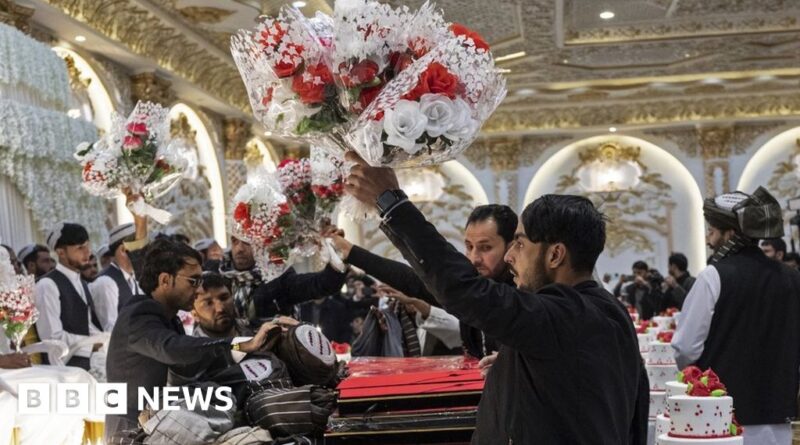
[{"x": 557, "y": 347}]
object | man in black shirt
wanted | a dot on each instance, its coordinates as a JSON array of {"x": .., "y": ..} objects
[
  {"x": 569, "y": 369},
  {"x": 148, "y": 338}
]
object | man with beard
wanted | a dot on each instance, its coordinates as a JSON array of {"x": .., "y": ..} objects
[
  {"x": 89, "y": 271},
  {"x": 214, "y": 312},
  {"x": 489, "y": 231},
  {"x": 569, "y": 369},
  {"x": 742, "y": 316},
  {"x": 255, "y": 299},
  {"x": 36, "y": 260},
  {"x": 66, "y": 308},
  {"x": 148, "y": 338}
]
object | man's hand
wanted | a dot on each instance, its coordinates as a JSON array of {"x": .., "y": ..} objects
[
  {"x": 670, "y": 281},
  {"x": 15, "y": 361},
  {"x": 255, "y": 343},
  {"x": 421, "y": 306},
  {"x": 366, "y": 183},
  {"x": 139, "y": 222},
  {"x": 285, "y": 321},
  {"x": 641, "y": 281},
  {"x": 486, "y": 364},
  {"x": 341, "y": 244}
]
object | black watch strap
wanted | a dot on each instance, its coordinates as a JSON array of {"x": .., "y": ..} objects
[{"x": 389, "y": 199}]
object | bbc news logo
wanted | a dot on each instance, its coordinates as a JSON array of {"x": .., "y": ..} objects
[{"x": 112, "y": 398}]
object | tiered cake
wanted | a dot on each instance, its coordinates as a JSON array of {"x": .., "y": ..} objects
[
  {"x": 661, "y": 368},
  {"x": 701, "y": 414}
]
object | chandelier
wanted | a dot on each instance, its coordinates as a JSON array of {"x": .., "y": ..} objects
[
  {"x": 421, "y": 184},
  {"x": 609, "y": 168}
]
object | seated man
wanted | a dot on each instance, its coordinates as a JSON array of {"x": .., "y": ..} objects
[
  {"x": 569, "y": 369},
  {"x": 148, "y": 337}
]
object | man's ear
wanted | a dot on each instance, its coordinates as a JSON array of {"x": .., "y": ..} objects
[
  {"x": 164, "y": 279},
  {"x": 556, "y": 255}
]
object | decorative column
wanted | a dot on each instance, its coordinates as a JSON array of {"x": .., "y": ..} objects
[
  {"x": 236, "y": 133},
  {"x": 502, "y": 156},
  {"x": 149, "y": 87},
  {"x": 715, "y": 148}
]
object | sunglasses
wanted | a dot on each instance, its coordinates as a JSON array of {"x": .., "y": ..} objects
[{"x": 195, "y": 282}]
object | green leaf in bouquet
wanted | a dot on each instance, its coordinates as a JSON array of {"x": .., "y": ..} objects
[{"x": 86, "y": 151}]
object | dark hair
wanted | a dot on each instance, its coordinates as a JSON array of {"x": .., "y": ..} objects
[
  {"x": 72, "y": 235},
  {"x": 164, "y": 256},
  {"x": 776, "y": 243},
  {"x": 213, "y": 280},
  {"x": 571, "y": 220},
  {"x": 366, "y": 279},
  {"x": 640, "y": 265},
  {"x": 679, "y": 260},
  {"x": 792, "y": 256},
  {"x": 505, "y": 218},
  {"x": 31, "y": 257},
  {"x": 8, "y": 248},
  {"x": 181, "y": 238}
]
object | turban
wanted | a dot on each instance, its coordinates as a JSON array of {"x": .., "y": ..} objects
[
  {"x": 66, "y": 234},
  {"x": 756, "y": 216}
]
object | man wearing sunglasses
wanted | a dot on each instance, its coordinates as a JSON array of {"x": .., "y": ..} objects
[{"x": 148, "y": 339}]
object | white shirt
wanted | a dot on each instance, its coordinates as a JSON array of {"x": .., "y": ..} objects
[
  {"x": 105, "y": 295},
  {"x": 49, "y": 304},
  {"x": 694, "y": 321},
  {"x": 440, "y": 324}
]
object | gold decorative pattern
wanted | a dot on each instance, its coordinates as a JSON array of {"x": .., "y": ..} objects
[
  {"x": 76, "y": 82},
  {"x": 145, "y": 34},
  {"x": 149, "y": 87},
  {"x": 181, "y": 128},
  {"x": 744, "y": 135},
  {"x": 709, "y": 175},
  {"x": 785, "y": 181},
  {"x": 15, "y": 15},
  {"x": 625, "y": 209},
  {"x": 204, "y": 14},
  {"x": 237, "y": 133},
  {"x": 650, "y": 113},
  {"x": 715, "y": 142}
]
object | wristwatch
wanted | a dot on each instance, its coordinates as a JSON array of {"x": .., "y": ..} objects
[{"x": 389, "y": 199}]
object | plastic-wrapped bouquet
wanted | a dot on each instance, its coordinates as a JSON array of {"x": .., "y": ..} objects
[
  {"x": 17, "y": 310},
  {"x": 285, "y": 65},
  {"x": 136, "y": 156},
  {"x": 281, "y": 216}
]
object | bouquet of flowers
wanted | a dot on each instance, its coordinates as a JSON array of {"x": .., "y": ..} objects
[
  {"x": 17, "y": 310},
  {"x": 285, "y": 65},
  {"x": 282, "y": 218},
  {"x": 136, "y": 156},
  {"x": 327, "y": 179},
  {"x": 434, "y": 108}
]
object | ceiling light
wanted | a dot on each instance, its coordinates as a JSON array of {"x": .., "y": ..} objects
[
  {"x": 508, "y": 57},
  {"x": 299, "y": 4},
  {"x": 80, "y": 38},
  {"x": 607, "y": 15},
  {"x": 565, "y": 61},
  {"x": 525, "y": 92},
  {"x": 612, "y": 129},
  {"x": 267, "y": 133}
]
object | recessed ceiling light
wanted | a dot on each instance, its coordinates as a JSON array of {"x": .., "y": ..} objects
[
  {"x": 607, "y": 15},
  {"x": 267, "y": 133},
  {"x": 565, "y": 61},
  {"x": 525, "y": 92},
  {"x": 80, "y": 38},
  {"x": 612, "y": 129},
  {"x": 299, "y": 4}
]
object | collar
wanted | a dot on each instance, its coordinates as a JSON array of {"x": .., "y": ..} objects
[
  {"x": 125, "y": 274},
  {"x": 71, "y": 274}
]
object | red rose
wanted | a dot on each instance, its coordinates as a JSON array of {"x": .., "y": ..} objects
[
  {"x": 291, "y": 59},
  {"x": 137, "y": 128},
  {"x": 132, "y": 143},
  {"x": 242, "y": 212},
  {"x": 461, "y": 30},
  {"x": 690, "y": 374},
  {"x": 400, "y": 61},
  {"x": 286, "y": 162},
  {"x": 641, "y": 329},
  {"x": 698, "y": 389},
  {"x": 361, "y": 73},
  {"x": 436, "y": 79},
  {"x": 340, "y": 348},
  {"x": 310, "y": 84},
  {"x": 284, "y": 208},
  {"x": 665, "y": 336},
  {"x": 368, "y": 95}
]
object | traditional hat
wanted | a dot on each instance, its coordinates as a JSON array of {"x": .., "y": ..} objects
[
  {"x": 121, "y": 232},
  {"x": 66, "y": 234}
]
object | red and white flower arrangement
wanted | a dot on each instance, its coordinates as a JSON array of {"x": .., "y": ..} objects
[
  {"x": 17, "y": 309},
  {"x": 136, "y": 156}
]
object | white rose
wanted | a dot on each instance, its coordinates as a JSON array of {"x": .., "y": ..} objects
[
  {"x": 463, "y": 125},
  {"x": 440, "y": 111},
  {"x": 404, "y": 125}
]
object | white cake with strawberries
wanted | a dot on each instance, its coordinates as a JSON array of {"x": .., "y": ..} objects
[{"x": 701, "y": 414}]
